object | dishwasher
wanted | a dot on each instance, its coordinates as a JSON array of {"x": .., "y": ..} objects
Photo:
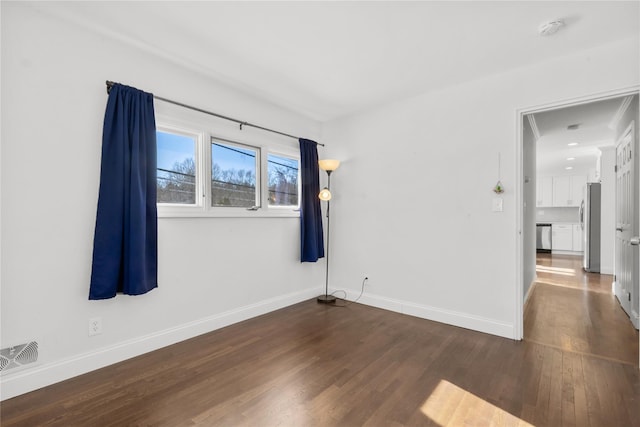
[{"x": 543, "y": 238}]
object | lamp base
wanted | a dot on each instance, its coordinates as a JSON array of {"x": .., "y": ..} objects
[{"x": 327, "y": 299}]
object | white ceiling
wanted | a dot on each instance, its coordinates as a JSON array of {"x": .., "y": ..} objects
[
  {"x": 331, "y": 59},
  {"x": 596, "y": 129}
]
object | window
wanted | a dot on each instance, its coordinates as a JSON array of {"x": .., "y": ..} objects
[
  {"x": 283, "y": 180},
  {"x": 233, "y": 175},
  {"x": 176, "y": 176},
  {"x": 225, "y": 177}
]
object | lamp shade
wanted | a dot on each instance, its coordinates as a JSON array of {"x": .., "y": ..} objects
[
  {"x": 325, "y": 194},
  {"x": 329, "y": 164}
]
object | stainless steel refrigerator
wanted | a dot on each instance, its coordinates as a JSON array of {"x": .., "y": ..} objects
[{"x": 590, "y": 222}]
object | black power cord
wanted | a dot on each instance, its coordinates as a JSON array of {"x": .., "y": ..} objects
[{"x": 348, "y": 303}]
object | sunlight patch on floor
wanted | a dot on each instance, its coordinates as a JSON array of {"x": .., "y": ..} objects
[
  {"x": 574, "y": 286},
  {"x": 558, "y": 284},
  {"x": 450, "y": 405},
  {"x": 555, "y": 270}
]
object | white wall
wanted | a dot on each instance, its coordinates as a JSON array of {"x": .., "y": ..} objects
[
  {"x": 414, "y": 194},
  {"x": 212, "y": 271},
  {"x": 607, "y": 212}
]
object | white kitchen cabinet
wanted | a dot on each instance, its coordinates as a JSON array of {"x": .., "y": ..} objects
[
  {"x": 544, "y": 191},
  {"x": 567, "y": 190},
  {"x": 561, "y": 190},
  {"x": 578, "y": 182},
  {"x": 562, "y": 237},
  {"x": 577, "y": 238}
]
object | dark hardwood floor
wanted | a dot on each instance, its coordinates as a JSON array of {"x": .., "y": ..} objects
[{"x": 317, "y": 365}]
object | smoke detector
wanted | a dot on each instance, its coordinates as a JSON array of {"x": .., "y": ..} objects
[{"x": 550, "y": 27}]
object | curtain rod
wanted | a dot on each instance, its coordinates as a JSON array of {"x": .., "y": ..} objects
[{"x": 242, "y": 123}]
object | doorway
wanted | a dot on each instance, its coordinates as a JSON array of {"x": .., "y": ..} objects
[{"x": 553, "y": 191}]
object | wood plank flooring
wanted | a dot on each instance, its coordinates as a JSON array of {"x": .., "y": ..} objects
[
  {"x": 576, "y": 311},
  {"x": 318, "y": 365}
]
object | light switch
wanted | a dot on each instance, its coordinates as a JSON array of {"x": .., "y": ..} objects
[{"x": 497, "y": 204}]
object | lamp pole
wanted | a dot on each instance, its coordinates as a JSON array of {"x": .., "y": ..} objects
[
  {"x": 326, "y": 298},
  {"x": 328, "y": 165}
]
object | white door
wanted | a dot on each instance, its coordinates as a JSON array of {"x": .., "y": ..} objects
[{"x": 624, "y": 262}]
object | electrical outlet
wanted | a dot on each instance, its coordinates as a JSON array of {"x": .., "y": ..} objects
[{"x": 95, "y": 326}]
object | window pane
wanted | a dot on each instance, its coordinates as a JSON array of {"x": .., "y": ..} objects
[
  {"x": 233, "y": 175},
  {"x": 176, "y": 178},
  {"x": 283, "y": 181}
]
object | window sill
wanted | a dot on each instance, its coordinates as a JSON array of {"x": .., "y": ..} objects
[{"x": 189, "y": 212}]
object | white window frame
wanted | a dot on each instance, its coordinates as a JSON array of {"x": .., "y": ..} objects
[
  {"x": 259, "y": 188},
  {"x": 178, "y": 208},
  {"x": 204, "y": 135},
  {"x": 289, "y": 155}
]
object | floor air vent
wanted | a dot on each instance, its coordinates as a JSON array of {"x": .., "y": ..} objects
[{"x": 17, "y": 356}]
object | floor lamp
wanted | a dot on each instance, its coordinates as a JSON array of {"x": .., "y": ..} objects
[{"x": 328, "y": 166}]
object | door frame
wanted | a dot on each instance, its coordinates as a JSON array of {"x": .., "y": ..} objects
[{"x": 518, "y": 329}]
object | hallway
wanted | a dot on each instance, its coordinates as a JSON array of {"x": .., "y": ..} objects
[{"x": 576, "y": 311}]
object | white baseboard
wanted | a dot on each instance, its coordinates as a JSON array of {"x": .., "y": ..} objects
[
  {"x": 27, "y": 380},
  {"x": 561, "y": 252},
  {"x": 463, "y": 320},
  {"x": 529, "y": 291}
]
